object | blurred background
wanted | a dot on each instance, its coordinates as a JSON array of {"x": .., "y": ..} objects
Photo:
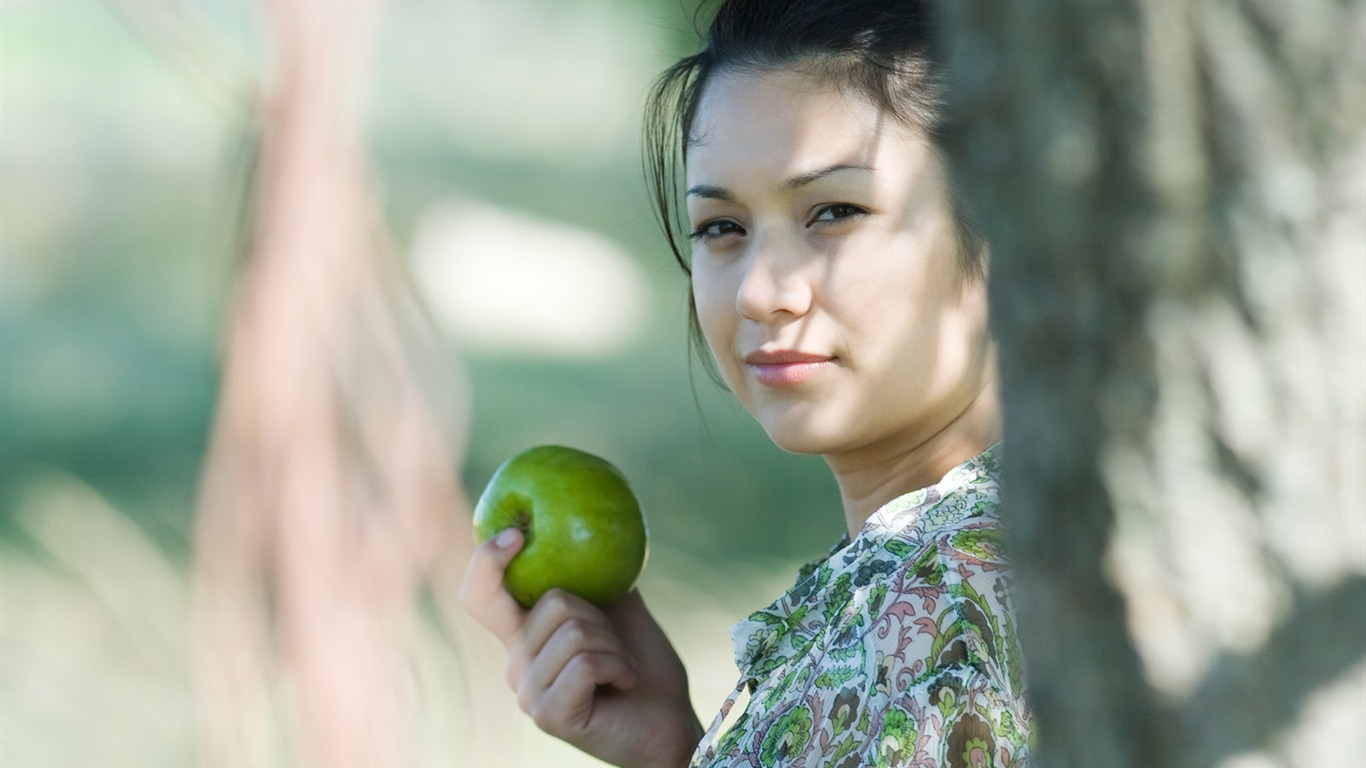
[{"x": 504, "y": 141}]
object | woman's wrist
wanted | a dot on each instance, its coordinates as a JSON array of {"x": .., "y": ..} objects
[{"x": 678, "y": 753}]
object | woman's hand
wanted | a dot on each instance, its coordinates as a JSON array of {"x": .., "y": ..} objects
[{"x": 607, "y": 682}]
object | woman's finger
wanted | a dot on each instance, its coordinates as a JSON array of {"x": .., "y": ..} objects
[
  {"x": 550, "y": 612},
  {"x": 483, "y": 596},
  {"x": 566, "y": 707},
  {"x": 575, "y": 636},
  {"x": 554, "y": 609}
]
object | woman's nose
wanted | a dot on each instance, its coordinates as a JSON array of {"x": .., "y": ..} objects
[{"x": 774, "y": 283}]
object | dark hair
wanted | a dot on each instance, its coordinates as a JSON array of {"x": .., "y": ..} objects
[{"x": 879, "y": 50}]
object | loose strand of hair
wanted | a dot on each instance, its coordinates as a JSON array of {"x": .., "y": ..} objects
[{"x": 663, "y": 141}]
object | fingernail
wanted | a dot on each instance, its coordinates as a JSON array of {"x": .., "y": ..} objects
[{"x": 505, "y": 538}]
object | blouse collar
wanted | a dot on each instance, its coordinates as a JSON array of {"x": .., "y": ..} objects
[{"x": 769, "y": 638}]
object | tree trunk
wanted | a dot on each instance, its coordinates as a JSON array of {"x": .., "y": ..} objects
[{"x": 1175, "y": 195}]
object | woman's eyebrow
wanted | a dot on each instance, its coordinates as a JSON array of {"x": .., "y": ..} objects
[
  {"x": 802, "y": 179},
  {"x": 712, "y": 192}
]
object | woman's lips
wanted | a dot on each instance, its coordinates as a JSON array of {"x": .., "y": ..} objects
[{"x": 785, "y": 368}]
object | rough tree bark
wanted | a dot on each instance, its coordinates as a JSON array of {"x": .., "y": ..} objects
[{"x": 1175, "y": 194}]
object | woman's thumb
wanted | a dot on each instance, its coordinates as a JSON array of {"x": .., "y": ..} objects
[{"x": 482, "y": 595}]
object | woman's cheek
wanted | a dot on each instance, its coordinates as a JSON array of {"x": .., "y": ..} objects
[
  {"x": 719, "y": 320},
  {"x": 712, "y": 305}
]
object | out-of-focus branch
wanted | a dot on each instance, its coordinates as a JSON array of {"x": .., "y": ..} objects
[{"x": 330, "y": 488}]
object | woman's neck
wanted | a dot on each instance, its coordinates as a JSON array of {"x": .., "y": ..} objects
[{"x": 872, "y": 475}]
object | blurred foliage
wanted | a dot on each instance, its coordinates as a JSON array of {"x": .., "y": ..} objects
[{"x": 121, "y": 202}]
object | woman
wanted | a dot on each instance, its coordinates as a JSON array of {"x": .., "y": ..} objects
[{"x": 843, "y": 301}]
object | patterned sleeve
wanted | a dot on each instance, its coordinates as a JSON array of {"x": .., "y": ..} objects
[
  {"x": 968, "y": 709},
  {"x": 958, "y": 718}
]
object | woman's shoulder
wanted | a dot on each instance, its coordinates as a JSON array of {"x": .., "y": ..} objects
[
  {"x": 955, "y": 535},
  {"x": 967, "y": 497},
  {"x": 948, "y": 607}
]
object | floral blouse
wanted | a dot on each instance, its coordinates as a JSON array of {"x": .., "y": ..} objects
[{"x": 897, "y": 649}]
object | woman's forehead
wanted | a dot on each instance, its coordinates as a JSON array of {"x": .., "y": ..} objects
[
  {"x": 785, "y": 122},
  {"x": 775, "y": 94}
]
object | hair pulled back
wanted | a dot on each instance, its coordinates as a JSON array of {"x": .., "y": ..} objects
[{"x": 879, "y": 50}]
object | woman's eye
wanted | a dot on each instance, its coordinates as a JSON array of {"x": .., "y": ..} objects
[
  {"x": 837, "y": 211},
  {"x": 712, "y": 230}
]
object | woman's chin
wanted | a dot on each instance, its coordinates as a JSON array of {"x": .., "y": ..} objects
[
  {"x": 799, "y": 438},
  {"x": 797, "y": 426}
]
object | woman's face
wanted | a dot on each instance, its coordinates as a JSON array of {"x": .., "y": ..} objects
[{"x": 825, "y": 266}]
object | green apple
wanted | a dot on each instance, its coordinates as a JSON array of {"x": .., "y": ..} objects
[{"x": 584, "y": 531}]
